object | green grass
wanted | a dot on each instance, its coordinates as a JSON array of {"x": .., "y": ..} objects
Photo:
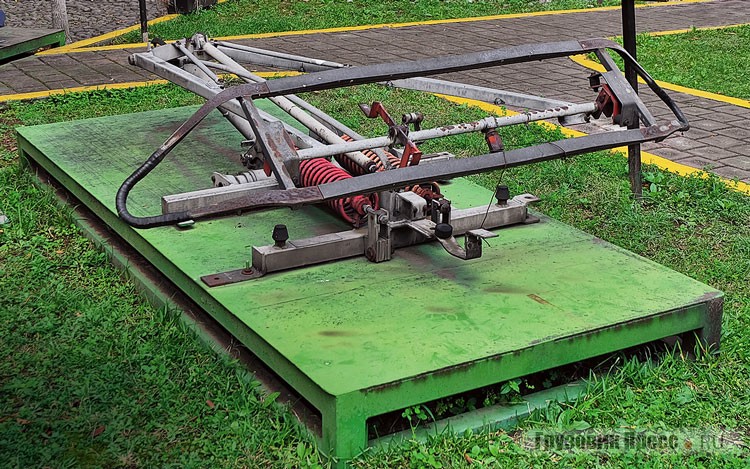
[
  {"x": 236, "y": 17},
  {"x": 709, "y": 60},
  {"x": 90, "y": 375}
]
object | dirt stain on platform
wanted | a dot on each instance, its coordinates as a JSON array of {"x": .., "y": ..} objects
[
  {"x": 539, "y": 299},
  {"x": 336, "y": 333}
]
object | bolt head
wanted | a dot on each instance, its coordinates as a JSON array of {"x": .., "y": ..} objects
[
  {"x": 443, "y": 231},
  {"x": 280, "y": 234},
  {"x": 502, "y": 193}
]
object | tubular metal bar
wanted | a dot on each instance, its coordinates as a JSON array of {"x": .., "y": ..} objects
[
  {"x": 322, "y": 64},
  {"x": 351, "y": 76},
  {"x": 480, "y": 93},
  {"x": 243, "y": 126},
  {"x": 143, "y": 15},
  {"x": 259, "y": 59},
  {"x": 445, "y": 131},
  {"x": 312, "y": 110},
  {"x": 391, "y": 180},
  {"x": 191, "y": 83},
  {"x": 290, "y": 108},
  {"x": 325, "y": 118},
  {"x": 194, "y": 200},
  {"x": 376, "y": 73},
  {"x": 430, "y": 85},
  {"x": 629, "y": 42},
  {"x": 197, "y": 62}
]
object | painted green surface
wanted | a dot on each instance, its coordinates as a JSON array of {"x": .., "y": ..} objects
[
  {"x": 358, "y": 339},
  {"x": 351, "y": 324},
  {"x": 15, "y": 42},
  {"x": 494, "y": 417}
]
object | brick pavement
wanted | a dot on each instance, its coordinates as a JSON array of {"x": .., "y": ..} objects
[
  {"x": 86, "y": 18},
  {"x": 718, "y": 138}
]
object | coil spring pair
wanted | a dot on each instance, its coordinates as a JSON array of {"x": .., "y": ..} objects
[
  {"x": 321, "y": 171},
  {"x": 428, "y": 190}
]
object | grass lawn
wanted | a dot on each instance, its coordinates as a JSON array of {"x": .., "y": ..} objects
[
  {"x": 90, "y": 375},
  {"x": 710, "y": 60},
  {"x": 236, "y": 17}
]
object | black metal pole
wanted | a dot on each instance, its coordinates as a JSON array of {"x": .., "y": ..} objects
[
  {"x": 628, "y": 40},
  {"x": 144, "y": 20}
]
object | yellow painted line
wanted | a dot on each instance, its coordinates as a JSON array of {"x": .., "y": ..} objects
[
  {"x": 470, "y": 19},
  {"x": 646, "y": 157},
  {"x": 79, "y": 89},
  {"x": 387, "y": 25},
  {"x": 110, "y": 35},
  {"x": 688, "y": 30},
  {"x": 103, "y": 37},
  {"x": 115, "y": 86},
  {"x": 55, "y": 51},
  {"x": 590, "y": 64}
]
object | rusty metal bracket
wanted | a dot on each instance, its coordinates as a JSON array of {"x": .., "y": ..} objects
[
  {"x": 472, "y": 244},
  {"x": 397, "y": 133},
  {"x": 278, "y": 151}
]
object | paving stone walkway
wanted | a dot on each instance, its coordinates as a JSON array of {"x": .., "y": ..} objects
[
  {"x": 719, "y": 137},
  {"x": 86, "y": 18}
]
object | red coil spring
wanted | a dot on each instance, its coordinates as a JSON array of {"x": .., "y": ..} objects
[
  {"x": 428, "y": 190},
  {"x": 321, "y": 171}
]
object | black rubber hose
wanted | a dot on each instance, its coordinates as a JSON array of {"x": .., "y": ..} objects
[{"x": 121, "y": 200}]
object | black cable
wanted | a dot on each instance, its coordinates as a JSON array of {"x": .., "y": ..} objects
[{"x": 121, "y": 200}]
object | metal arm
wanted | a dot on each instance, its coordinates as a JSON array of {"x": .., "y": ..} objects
[{"x": 394, "y": 179}]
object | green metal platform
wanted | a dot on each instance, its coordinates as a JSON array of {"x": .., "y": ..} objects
[
  {"x": 359, "y": 339},
  {"x": 17, "y": 42}
]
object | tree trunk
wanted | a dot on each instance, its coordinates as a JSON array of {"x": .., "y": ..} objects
[{"x": 60, "y": 17}]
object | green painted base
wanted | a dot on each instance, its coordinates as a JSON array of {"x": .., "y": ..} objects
[
  {"x": 501, "y": 416},
  {"x": 358, "y": 339},
  {"x": 16, "y": 42}
]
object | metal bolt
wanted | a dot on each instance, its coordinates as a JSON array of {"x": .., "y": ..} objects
[
  {"x": 502, "y": 194},
  {"x": 443, "y": 231},
  {"x": 280, "y": 235}
]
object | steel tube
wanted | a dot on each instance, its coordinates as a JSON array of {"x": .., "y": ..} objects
[
  {"x": 431, "y": 85},
  {"x": 480, "y": 93},
  {"x": 314, "y": 111},
  {"x": 196, "y": 61},
  {"x": 289, "y": 107},
  {"x": 445, "y": 131},
  {"x": 417, "y": 174},
  {"x": 281, "y": 55}
]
